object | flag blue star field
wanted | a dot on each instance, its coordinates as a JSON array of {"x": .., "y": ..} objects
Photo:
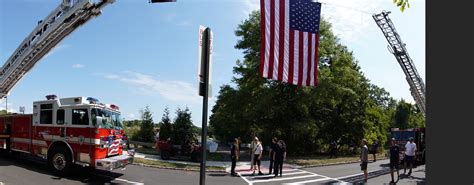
[{"x": 290, "y": 35}]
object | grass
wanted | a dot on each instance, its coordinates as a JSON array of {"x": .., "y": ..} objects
[
  {"x": 155, "y": 163},
  {"x": 319, "y": 160}
]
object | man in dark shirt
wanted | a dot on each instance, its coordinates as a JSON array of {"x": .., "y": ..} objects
[
  {"x": 272, "y": 154},
  {"x": 394, "y": 158},
  {"x": 280, "y": 156},
  {"x": 234, "y": 155}
]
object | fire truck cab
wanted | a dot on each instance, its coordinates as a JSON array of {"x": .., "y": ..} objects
[{"x": 68, "y": 131}]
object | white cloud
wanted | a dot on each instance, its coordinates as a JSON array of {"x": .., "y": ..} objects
[
  {"x": 250, "y": 5},
  {"x": 78, "y": 66},
  {"x": 351, "y": 20},
  {"x": 148, "y": 85},
  {"x": 184, "y": 23}
]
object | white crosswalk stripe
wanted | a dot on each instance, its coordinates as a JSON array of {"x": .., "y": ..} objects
[{"x": 289, "y": 177}]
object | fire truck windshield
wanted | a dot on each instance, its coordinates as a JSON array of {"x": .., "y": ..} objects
[{"x": 106, "y": 118}]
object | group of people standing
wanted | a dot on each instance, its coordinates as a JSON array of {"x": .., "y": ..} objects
[
  {"x": 277, "y": 156},
  {"x": 409, "y": 159}
]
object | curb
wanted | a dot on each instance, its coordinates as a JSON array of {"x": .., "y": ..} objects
[{"x": 181, "y": 169}]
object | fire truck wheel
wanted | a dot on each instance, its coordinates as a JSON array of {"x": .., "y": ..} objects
[
  {"x": 60, "y": 161},
  {"x": 165, "y": 155}
]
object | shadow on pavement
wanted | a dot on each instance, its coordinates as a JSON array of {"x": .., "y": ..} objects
[{"x": 79, "y": 174}]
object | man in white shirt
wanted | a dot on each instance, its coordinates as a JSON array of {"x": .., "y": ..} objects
[{"x": 410, "y": 151}]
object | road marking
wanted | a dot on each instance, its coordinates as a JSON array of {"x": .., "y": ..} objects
[
  {"x": 245, "y": 179},
  {"x": 119, "y": 179},
  {"x": 271, "y": 175},
  {"x": 308, "y": 181},
  {"x": 335, "y": 179},
  {"x": 287, "y": 178}
]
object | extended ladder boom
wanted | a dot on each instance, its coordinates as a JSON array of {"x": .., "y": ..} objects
[
  {"x": 66, "y": 18},
  {"x": 397, "y": 48}
]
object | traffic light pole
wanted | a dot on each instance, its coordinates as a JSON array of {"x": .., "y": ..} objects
[{"x": 204, "y": 88}]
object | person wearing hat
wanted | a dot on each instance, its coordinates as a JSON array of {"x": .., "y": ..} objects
[
  {"x": 410, "y": 150},
  {"x": 394, "y": 158}
]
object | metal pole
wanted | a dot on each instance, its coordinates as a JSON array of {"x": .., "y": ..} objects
[
  {"x": 205, "y": 60},
  {"x": 6, "y": 104}
]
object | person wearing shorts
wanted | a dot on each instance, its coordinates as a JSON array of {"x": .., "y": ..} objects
[
  {"x": 364, "y": 158},
  {"x": 394, "y": 159},
  {"x": 410, "y": 151},
  {"x": 257, "y": 156}
]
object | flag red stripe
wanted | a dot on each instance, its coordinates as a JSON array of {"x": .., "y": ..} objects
[
  {"x": 262, "y": 30},
  {"x": 300, "y": 60},
  {"x": 316, "y": 60},
  {"x": 272, "y": 39},
  {"x": 308, "y": 71},
  {"x": 281, "y": 48},
  {"x": 291, "y": 56}
]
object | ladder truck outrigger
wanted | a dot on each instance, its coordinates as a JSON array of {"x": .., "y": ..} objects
[{"x": 66, "y": 131}]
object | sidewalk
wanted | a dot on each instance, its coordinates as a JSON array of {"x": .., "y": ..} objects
[{"x": 240, "y": 166}]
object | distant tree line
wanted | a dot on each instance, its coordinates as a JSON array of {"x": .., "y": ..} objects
[{"x": 178, "y": 130}]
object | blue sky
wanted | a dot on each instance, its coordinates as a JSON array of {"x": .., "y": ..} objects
[{"x": 138, "y": 53}]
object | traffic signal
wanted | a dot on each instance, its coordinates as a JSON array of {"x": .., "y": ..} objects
[{"x": 161, "y": 1}]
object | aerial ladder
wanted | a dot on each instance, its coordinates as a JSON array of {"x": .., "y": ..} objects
[
  {"x": 397, "y": 48},
  {"x": 61, "y": 22}
]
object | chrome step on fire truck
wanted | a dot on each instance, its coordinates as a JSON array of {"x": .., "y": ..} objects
[{"x": 68, "y": 131}]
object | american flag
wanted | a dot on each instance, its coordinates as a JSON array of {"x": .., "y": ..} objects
[{"x": 290, "y": 35}]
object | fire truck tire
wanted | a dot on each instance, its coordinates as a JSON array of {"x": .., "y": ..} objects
[
  {"x": 60, "y": 161},
  {"x": 165, "y": 155}
]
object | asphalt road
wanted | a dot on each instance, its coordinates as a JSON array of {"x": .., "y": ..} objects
[{"x": 19, "y": 171}]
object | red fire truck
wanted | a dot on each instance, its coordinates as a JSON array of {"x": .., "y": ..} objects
[{"x": 68, "y": 131}]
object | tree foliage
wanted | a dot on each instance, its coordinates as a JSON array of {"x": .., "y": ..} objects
[
  {"x": 166, "y": 127},
  {"x": 344, "y": 106},
  {"x": 183, "y": 126},
  {"x": 146, "y": 133},
  {"x": 402, "y": 4}
]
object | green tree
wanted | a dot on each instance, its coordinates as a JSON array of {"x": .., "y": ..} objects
[
  {"x": 407, "y": 116},
  {"x": 166, "y": 127},
  {"x": 343, "y": 107},
  {"x": 183, "y": 126},
  {"x": 402, "y": 4},
  {"x": 146, "y": 133}
]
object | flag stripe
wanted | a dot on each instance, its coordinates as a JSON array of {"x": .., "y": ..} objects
[
  {"x": 300, "y": 58},
  {"x": 296, "y": 64},
  {"x": 281, "y": 53},
  {"x": 287, "y": 32},
  {"x": 267, "y": 38},
  {"x": 272, "y": 41},
  {"x": 276, "y": 50},
  {"x": 308, "y": 72},
  {"x": 315, "y": 73},
  {"x": 291, "y": 57},
  {"x": 313, "y": 61},
  {"x": 262, "y": 32}
]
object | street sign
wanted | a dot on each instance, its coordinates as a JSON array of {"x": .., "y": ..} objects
[{"x": 200, "y": 60}]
